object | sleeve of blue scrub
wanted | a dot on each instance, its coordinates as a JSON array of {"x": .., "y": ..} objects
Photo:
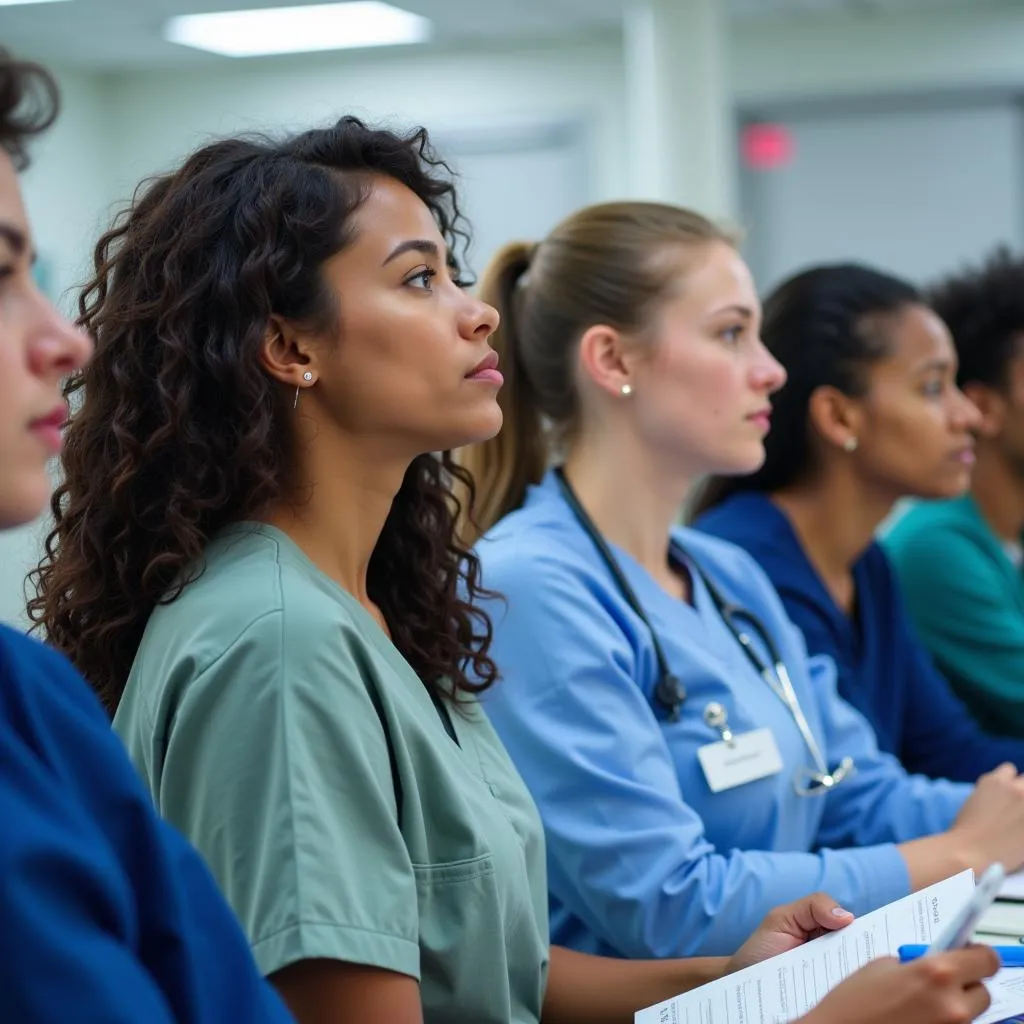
[{"x": 627, "y": 854}]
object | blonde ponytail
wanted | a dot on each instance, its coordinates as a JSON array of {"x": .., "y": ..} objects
[
  {"x": 505, "y": 466},
  {"x": 605, "y": 264}
]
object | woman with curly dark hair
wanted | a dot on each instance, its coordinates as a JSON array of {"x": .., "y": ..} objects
[
  {"x": 252, "y": 563},
  {"x": 108, "y": 915},
  {"x": 254, "y": 560}
]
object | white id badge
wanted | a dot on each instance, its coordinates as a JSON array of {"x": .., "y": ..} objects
[{"x": 751, "y": 756}]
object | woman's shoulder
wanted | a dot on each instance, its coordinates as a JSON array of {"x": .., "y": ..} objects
[
  {"x": 735, "y": 572},
  {"x": 538, "y": 544},
  {"x": 31, "y": 670},
  {"x": 725, "y": 557},
  {"x": 923, "y": 530},
  {"x": 251, "y": 599},
  {"x": 53, "y": 722},
  {"x": 753, "y": 521},
  {"x": 22, "y": 656}
]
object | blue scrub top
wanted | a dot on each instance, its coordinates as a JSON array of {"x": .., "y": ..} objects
[
  {"x": 884, "y": 670},
  {"x": 644, "y": 860},
  {"x": 106, "y": 914}
]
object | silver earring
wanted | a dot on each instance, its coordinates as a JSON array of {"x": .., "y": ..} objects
[
  {"x": 626, "y": 390},
  {"x": 307, "y": 376},
  {"x": 850, "y": 444}
]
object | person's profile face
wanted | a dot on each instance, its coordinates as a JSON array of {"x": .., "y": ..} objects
[
  {"x": 916, "y": 437},
  {"x": 38, "y": 348},
  {"x": 704, "y": 394},
  {"x": 412, "y": 365}
]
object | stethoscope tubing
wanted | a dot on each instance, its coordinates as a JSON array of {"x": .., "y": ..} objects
[{"x": 669, "y": 691}]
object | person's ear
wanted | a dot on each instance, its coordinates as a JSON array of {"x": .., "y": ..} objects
[
  {"x": 606, "y": 358},
  {"x": 836, "y": 418},
  {"x": 288, "y": 354},
  {"x": 993, "y": 406}
]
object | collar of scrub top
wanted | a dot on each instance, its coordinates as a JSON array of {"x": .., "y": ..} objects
[{"x": 669, "y": 691}]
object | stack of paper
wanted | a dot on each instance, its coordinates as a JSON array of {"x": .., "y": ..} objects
[{"x": 787, "y": 986}]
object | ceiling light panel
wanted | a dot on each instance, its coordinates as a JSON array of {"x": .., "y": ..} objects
[{"x": 301, "y": 29}]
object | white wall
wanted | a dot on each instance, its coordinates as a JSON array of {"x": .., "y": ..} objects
[
  {"x": 67, "y": 185},
  {"x": 65, "y": 191},
  {"x": 908, "y": 139},
  {"x": 916, "y": 190},
  {"x": 817, "y": 57},
  {"x": 156, "y": 117},
  {"x": 160, "y": 116}
]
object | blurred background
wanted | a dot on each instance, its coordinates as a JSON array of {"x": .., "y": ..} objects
[{"x": 885, "y": 130}]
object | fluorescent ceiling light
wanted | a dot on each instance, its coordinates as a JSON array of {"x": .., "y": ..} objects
[
  {"x": 298, "y": 29},
  {"x": 16, "y": 3}
]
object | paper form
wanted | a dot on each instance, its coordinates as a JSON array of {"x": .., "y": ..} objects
[{"x": 788, "y": 985}]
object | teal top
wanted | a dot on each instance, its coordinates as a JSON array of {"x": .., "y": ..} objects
[
  {"x": 966, "y": 599},
  {"x": 277, "y": 726}
]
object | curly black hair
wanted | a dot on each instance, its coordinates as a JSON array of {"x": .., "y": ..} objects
[
  {"x": 29, "y": 104},
  {"x": 983, "y": 306},
  {"x": 181, "y": 432}
]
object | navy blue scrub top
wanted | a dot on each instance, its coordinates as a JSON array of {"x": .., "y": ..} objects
[
  {"x": 883, "y": 669},
  {"x": 107, "y": 916}
]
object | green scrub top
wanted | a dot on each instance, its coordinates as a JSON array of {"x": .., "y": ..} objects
[
  {"x": 270, "y": 717},
  {"x": 966, "y": 599}
]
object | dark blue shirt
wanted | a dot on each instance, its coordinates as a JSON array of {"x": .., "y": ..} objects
[
  {"x": 883, "y": 669},
  {"x": 107, "y": 916}
]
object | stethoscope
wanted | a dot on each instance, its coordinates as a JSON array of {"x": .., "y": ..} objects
[{"x": 669, "y": 691}]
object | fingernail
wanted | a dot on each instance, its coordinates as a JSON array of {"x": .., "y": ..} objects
[{"x": 839, "y": 912}]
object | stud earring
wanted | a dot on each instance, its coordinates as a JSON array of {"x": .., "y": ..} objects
[
  {"x": 626, "y": 390},
  {"x": 850, "y": 444},
  {"x": 307, "y": 376}
]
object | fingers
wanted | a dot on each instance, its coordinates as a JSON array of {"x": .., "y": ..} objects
[
  {"x": 978, "y": 999},
  {"x": 963, "y": 967},
  {"x": 815, "y": 913}
]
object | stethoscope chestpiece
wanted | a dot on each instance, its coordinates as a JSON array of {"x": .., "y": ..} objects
[{"x": 670, "y": 694}]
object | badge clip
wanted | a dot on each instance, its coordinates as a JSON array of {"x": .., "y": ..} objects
[{"x": 716, "y": 716}]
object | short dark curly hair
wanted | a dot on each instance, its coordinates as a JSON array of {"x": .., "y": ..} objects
[
  {"x": 29, "y": 103},
  {"x": 983, "y": 306}
]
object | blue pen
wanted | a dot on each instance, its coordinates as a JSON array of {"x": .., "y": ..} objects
[{"x": 1011, "y": 956}]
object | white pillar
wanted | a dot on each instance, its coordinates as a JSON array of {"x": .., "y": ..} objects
[{"x": 681, "y": 135}]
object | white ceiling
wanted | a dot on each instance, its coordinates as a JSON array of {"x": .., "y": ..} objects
[{"x": 115, "y": 34}]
